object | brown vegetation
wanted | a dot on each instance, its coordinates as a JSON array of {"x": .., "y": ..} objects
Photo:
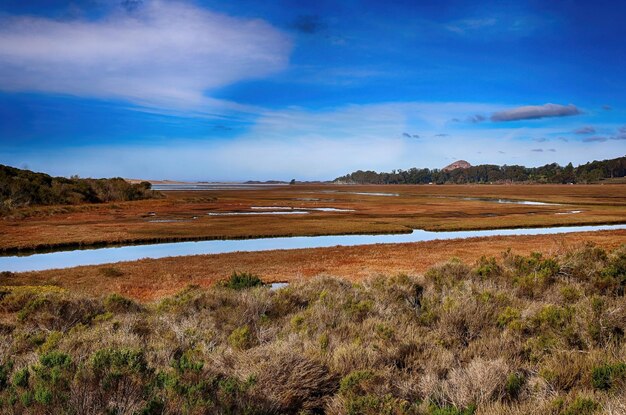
[
  {"x": 415, "y": 207},
  {"x": 536, "y": 334}
]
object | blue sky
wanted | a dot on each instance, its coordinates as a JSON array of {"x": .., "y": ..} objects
[{"x": 237, "y": 90}]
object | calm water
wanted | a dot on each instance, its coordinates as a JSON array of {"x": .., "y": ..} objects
[
  {"x": 66, "y": 259},
  {"x": 214, "y": 186}
]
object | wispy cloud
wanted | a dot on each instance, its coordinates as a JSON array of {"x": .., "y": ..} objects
[
  {"x": 537, "y": 150},
  {"x": 596, "y": 139},
  {"x": 159, "y": 53},
  {"x": 463, "y": 26},
  {"x": 474, "y": 119},
  {"x": 531, "y": 112},
  {"x": 585, "y": 130}
]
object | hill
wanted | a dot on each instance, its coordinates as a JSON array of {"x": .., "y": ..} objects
[
  {"x": 459, "y": 164},
  {"x": 20, "y": 188},
  {"x": 591, "y": 172}
]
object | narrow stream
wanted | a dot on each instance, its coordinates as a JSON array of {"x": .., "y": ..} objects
[{"x": 65, "y": 259}]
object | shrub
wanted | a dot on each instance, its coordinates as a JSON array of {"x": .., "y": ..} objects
[
  {"x": 488, "y": 268},
  {"x": 514, "y": 384},
  {"x": 606, "y": 376},
  {"x": 242, "y": 280},
  {"x": 52, "y": 379},
  {"x": 5, "y": 369},
  {"x": 581, "y": 406},
  {"x": 20, "y": 378},
  {"x": 116, "y": 303},
  {"x": 352, "y": 383},
  {"x": 508, "y": 316},
  {"x": 120, "y": 377},
  {"x": 111, "y": 272},
  {"x": 240, "y": 338}
]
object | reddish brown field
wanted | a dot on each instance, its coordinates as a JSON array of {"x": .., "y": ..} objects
[
  {"x": 425, "y": 207},
  {"x": 150, "y": 279}
]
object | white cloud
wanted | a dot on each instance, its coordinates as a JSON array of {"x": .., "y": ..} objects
[{"x": 163, "y": 53}]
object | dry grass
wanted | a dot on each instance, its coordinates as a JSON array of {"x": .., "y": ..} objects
[
  {"x": 424, "y": 207},
  {"x": 464, "y": 338}
]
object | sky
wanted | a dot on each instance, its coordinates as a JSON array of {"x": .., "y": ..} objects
[{"x": 236, "y": 90}]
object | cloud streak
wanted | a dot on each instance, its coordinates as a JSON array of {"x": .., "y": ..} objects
[
  {"x": 585, "y": 130},
  {"x": 532, "y": 112},
  {"x": 164, "y": 54}
]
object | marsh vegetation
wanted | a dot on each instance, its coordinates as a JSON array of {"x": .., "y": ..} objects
[{"x": 506, "y": 335}]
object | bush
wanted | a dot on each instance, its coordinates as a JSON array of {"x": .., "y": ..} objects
[
  {"x": 111, "y": 272},
  {"x": 20, "y": 378},
  {"x": 606, "y": 376},
  {"x": 115, "y": 303},
  {"x": 240, "y": 338},
  {"x": 581, "y": 406},
  {"x": 514, "y": 384},
  {"x": 242, "y": 280}
]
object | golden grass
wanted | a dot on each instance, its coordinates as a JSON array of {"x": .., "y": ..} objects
[
  {"x": 150, "y": 279},
  {"x": 423, "y": 207}
]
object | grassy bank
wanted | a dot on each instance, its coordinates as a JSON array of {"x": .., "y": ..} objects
[{"x": 512, "y": 335}]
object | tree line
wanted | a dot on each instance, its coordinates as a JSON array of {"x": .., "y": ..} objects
[
  {"x": 20, "y": 188},
  {"x": 590, "y": 172}
]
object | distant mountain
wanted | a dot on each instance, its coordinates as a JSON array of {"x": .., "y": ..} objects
[
  {"x": 459, "y": 164},
  {"x": 461, "y": 172}
]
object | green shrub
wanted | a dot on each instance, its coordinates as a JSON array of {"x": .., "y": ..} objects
[
  {"x": 20, "y": 378},
  {"x": 514, "y": 384},
  {"x": 507, "y": 316},
  {"x": 115, "y": 303},
  {"x": 242, "y": 280},
  {"x": 5, "y": 370},
  {"x": 240, "y": 338},
  {"x": 552, "y": 316},
  {"x": 43, "y": 395},
  {"x": 581, "y": 406},
  {"x": 488, "y": 268},
  {"x": 605, "y": 377},
  {"x": 358, "y": 309},
  {"x": 352, "y": 382},
  {"x": 187, "y": 362},
  {"x": 371, "y": 404},
  {"x": 52, "y": 340}
]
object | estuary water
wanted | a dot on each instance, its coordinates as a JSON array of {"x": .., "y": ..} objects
[{"x": 97, "y": 256}]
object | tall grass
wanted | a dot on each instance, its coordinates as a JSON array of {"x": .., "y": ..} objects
[{"x": 513, "y": 335}]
